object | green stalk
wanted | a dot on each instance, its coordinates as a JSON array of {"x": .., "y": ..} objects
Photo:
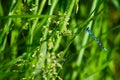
[
  {"x": 84, "y": 42},
  {"x": 64, "y": 24},
  {"x": 44, "y": 44},
  {"x": 85, "y": 38},
  {"x": 3, "y": 36},
  {"x": 35, "y": 22},
  {"x": 43, "y": 48}
]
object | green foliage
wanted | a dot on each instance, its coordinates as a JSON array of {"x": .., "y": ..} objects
[{"x": 46, "y": 40}]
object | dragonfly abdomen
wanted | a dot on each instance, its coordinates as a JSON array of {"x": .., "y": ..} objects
[{"x": 97, "y": 41}]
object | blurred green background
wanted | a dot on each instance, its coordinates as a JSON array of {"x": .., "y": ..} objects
[{"x": 46, "y": 40}]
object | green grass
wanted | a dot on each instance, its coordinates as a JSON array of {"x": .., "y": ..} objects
[{"x": 46, "y": 40}]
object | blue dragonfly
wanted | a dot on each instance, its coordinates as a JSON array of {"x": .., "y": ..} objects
[{"x": 97, "y": 41}]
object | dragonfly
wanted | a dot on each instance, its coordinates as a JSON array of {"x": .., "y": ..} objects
[{"x": 97, "y": 40}]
